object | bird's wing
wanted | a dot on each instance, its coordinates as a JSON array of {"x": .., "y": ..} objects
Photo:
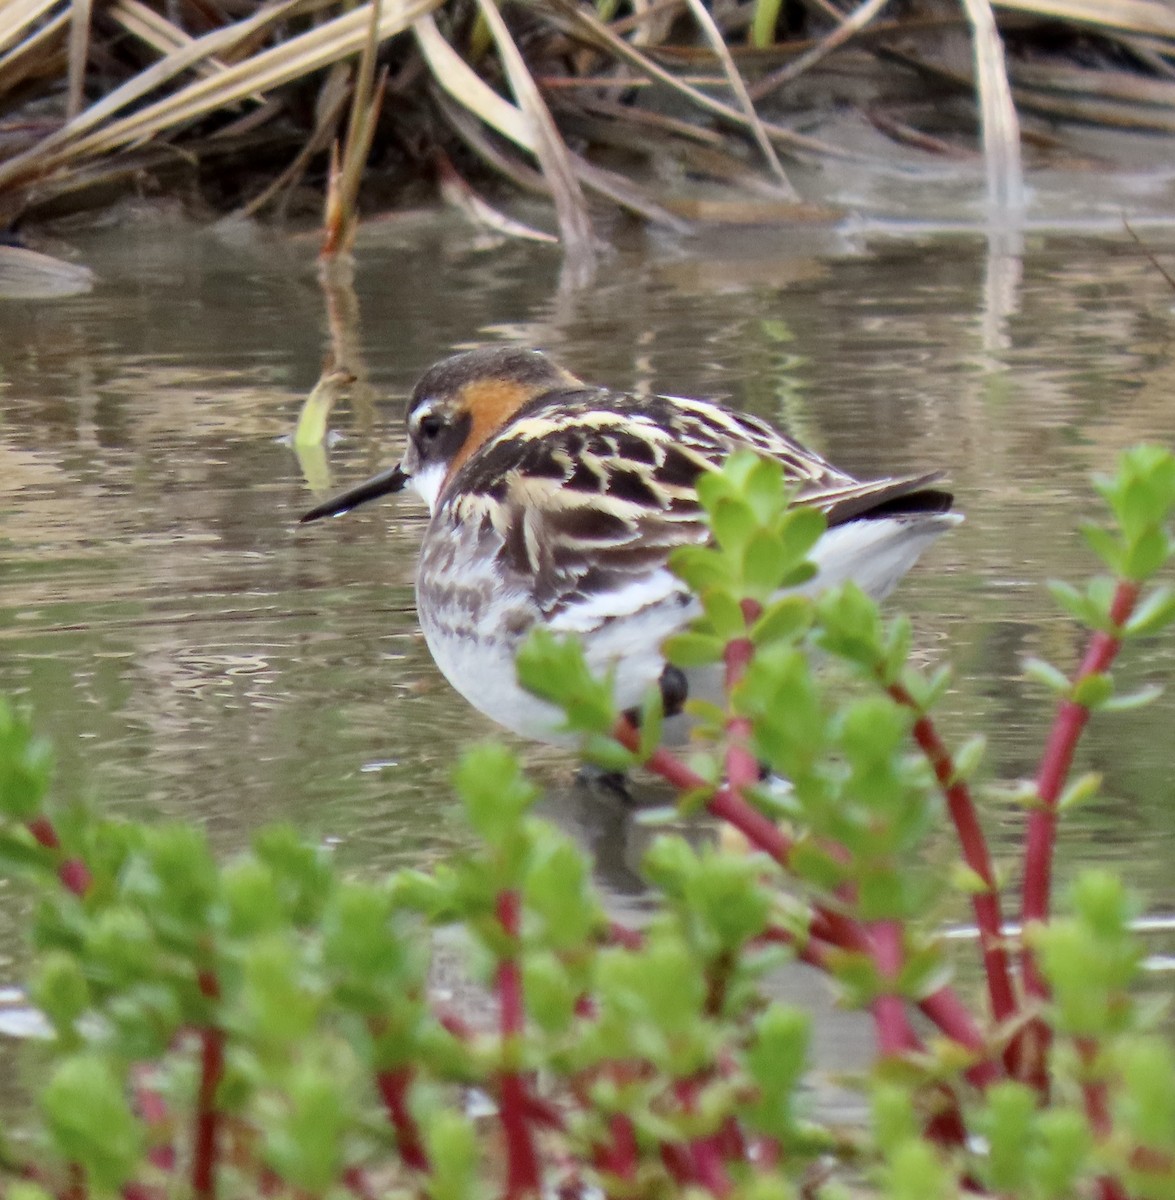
[
  {"x": 589, "y": 492},
  {"x": 587, "y": 514}
]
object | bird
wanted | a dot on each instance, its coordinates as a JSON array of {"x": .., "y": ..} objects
[{"x": 557, "y": 504}]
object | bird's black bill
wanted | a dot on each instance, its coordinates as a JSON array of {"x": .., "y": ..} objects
[{"x": 382, "y": 484}]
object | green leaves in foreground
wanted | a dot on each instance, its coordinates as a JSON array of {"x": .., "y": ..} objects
[{"x": 295, "y": 1006}]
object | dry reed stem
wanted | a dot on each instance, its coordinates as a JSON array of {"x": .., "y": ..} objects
[
  {"x": 336, "y": 39},
  {"x": 575, "y": 226},
  {"x": 331, "y": 100},
  {"x": 19, "y": 18},
  {"x": 36, "y": 49},
  {"x": 1001, "y": 128},
  {"x": 851, "y": 25},
  {"x": 79, "y": 52},
  {"x": 739, "y": 88},
  {"x": 458, "y": 193},
  {"x": 366, "y": 101},
  {"x": 599, "y": 33},
  {"x": 1128, "y": 16},
  {"x": 456, "y": 77}
]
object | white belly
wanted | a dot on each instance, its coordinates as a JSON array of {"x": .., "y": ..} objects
[{"x": 475, "y": 649}]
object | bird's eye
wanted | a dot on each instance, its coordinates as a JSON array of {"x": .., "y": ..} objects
[{"x": 430, "y": 426}]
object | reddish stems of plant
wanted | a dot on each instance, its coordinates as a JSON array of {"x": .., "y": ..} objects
[
  {"x": 894, "y": 1035},
  {"x": 1097, "y": 1111},
  {"x": 207, "y": 1129},
  {"x": 986, "y": 904},
  {"x": 522, "y": 1164},
  {"x": 952, "y": 1017},
  {"x": 356, "y": 1182},
  {"x": 153, "y": 1110},
  {"x": 1068, "y": 724},
  {"x": 944, "y": 1007},
  {"x": 74, "y": 875},
  {"x": 619, "y": 1157},
  {"x": 46, "y": 835},
  {"x": 140, "y": 1191},
  {"x": 705, "y": 1153},
  {"x": 393, "y": 1088}
]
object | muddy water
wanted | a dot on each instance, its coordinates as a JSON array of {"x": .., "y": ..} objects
[{"x": 194, "y": 654}]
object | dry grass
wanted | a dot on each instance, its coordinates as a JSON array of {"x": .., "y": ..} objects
[{"x": 248, "y": 102}]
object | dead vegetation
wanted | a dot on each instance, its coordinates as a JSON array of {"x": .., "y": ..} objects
[{"x": 242, "y": 107}]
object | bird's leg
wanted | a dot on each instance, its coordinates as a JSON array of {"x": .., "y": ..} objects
[{"x": 674, "y": 693}]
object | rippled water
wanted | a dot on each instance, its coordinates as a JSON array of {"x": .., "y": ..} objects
[{"x": 193, "y": 653}]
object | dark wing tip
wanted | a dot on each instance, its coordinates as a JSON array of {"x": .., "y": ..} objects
[{"x": 914, "y": 496}]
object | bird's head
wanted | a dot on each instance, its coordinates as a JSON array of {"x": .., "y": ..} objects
[{"x": 455, "y": 408}]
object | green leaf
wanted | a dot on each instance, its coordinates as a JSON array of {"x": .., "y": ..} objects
[
  {"x": 1106, "y": 545},
  {"x": 803, "y": 527},
  {"x": 1008, "y": 1124},
  {"x": 732, "y": 522},
  {"x": 652, "y": 722},
  {"x": 1132, "y": 700},
  {"x": 692, "y": 649},
  {"x": 764, "y": 564},
  {"x": 554, "y": 669},
  {"x": 969, "y": 756},
  {"x": 454, "y": 1155},
  {"x": 607, "y": 753},
  {"x": 967, "y": 880},
  {"x": 1093, "y": 690},
  {"x": 763, "y": 21},
  {"x": 304, "y": 1138},
  {"x": 766, "y": 491},
  {"x": 1148, "y": 552},
  {"x": 1081, "y": 789},
  {"x": 59, "y": 989},
  {"x": 701, "y": 567},
  {"x": 1078, "y": 605},
  {"x": 1045, "y": 673},
  {"x": 724, "y": 613},
  {"x": 1154, "y": 613},
  {"x": 26, "y": 765},
  {"x": 495, "y": 793},
  {"x": 91, "y": 1122},
  {"x": 783, "y": 620}
]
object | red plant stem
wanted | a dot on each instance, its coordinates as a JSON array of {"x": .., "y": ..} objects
[
  {"x": 393, "y": 1088},
  {"x": 976, "y": 855},
  {"x": 140, "y": 1191},
  {"x": 952, "y": 1017},
  {"x": 678, "y": 1163},
  {"x": 356, "y": 1181},
  {"x": 153, "y": 1109},
  {"x": 522, "y": 1164},
  {"x": 619, "y": 1158},
  {"x": 72, "y": 872},
  {"x": 1097, "y": 1111},
  {"x": 1068, "y": 724},
  {"x": 621, "y": 935},
  {"x": 204, "y": 1149},
  {"x": 894, "y": 1035},
  {"x": 75, "y": 876},
  {"x": 206, "y": 1134},
  {"x": 453, "y": 1023},
  {"x": 46, "y": 835},
  {"x": 944, "y": 1007},
  {"x": 705, "y": 1153}
]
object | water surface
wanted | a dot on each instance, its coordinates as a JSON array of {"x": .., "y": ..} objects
[{"x": 194, "y": 654}]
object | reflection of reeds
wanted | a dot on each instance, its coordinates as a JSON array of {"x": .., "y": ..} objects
[{"x": 163, "y": 87}]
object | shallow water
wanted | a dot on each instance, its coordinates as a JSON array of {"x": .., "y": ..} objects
[{"x": 194, "y": 654}]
